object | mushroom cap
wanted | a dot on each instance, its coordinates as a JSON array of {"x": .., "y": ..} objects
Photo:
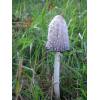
[{"x": 58, "y": 39}]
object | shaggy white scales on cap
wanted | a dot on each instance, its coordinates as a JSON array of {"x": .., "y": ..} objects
[{"x": 58, "y": 39}]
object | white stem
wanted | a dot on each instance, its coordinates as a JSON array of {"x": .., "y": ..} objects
[{"x": 56, "y": 75}]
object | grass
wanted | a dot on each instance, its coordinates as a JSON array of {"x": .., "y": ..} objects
[{"x": 32, "y": 66}]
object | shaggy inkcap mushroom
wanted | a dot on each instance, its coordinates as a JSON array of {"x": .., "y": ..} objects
[{"x": 58, "y": 39}]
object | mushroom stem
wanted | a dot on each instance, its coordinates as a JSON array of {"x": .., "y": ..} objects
[{"x": 56, "y": 75}]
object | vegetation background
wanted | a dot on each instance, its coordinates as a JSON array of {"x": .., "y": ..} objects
[{"x": 32, "y": 66}]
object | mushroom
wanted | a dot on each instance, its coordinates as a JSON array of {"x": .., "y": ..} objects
[{"x": 58, "y": 41}]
